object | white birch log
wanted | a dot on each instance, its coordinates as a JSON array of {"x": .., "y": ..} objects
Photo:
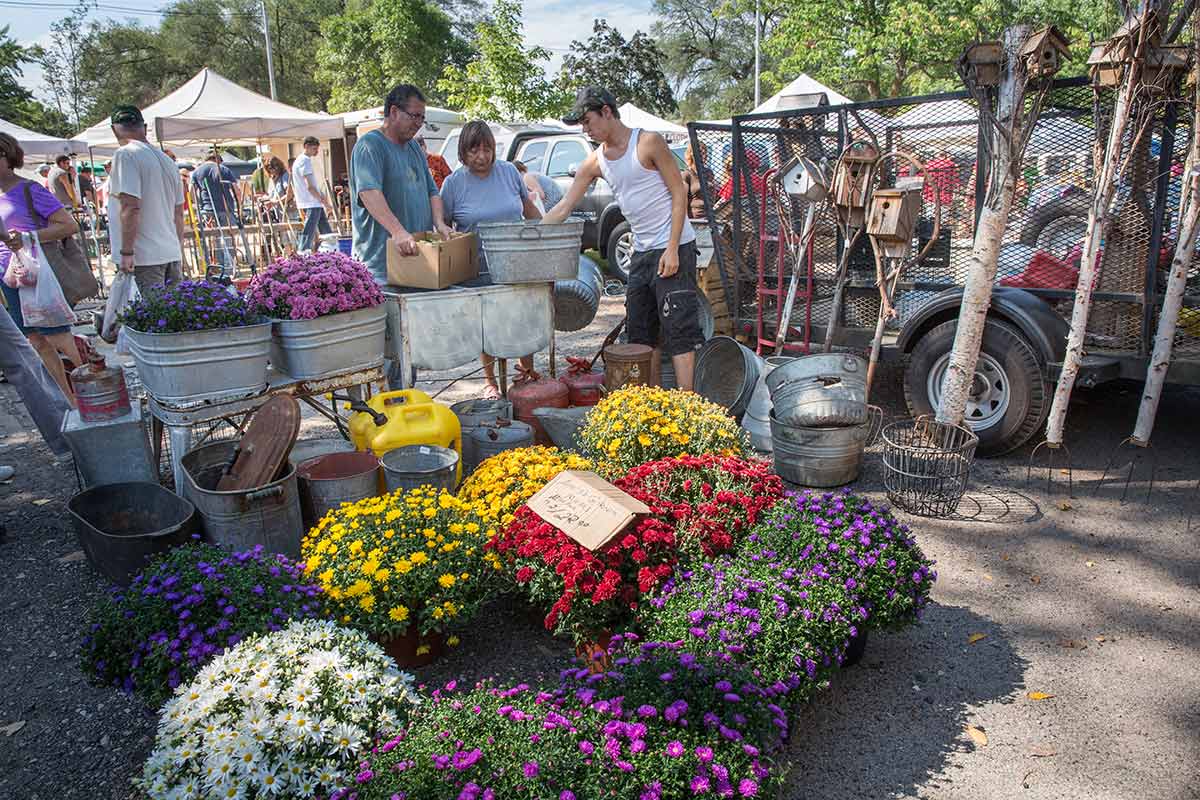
[
  {"x": 989, "y": 233},
  {"x": 1099, "y": 218},
  {"x": 1168, "y": 319}
]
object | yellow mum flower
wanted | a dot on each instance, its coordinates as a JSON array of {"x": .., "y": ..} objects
[
  {"x": 446, "y": 581},
  {"x": 398, "y": 613},
  {"x": 418, "y": 557}
]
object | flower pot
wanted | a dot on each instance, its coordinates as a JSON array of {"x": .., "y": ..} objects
[
  {"x": 194, "y": 366},
  {"x": 594, "y": 653},
  {"x": 311, "y": 348},
  {"x": 411, "y": 649},
  {"x": 855, "y": 648}
]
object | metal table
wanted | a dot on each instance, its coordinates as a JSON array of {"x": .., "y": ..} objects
[{"x": 179, "y": 421}]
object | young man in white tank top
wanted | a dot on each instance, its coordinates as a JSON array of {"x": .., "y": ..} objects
[{"x": 661, "y": 299}]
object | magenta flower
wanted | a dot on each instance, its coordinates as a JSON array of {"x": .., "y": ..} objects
[{"x": 675, "y": 749}]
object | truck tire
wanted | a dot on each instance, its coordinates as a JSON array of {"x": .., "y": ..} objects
[
  {"x": 1054, "y": 226},
  {"x": 1010, "y": 398},
  {"x": 620, "y": 251}
]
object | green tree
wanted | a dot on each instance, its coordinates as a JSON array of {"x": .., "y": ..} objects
[
  {"x": 505, "y": 81},
  {"x": 709, "y": 54},
  {"x": 17, "y": 104},
  {"x": 890, "y": 48},
  {"x": 407, "y": 41},
  {"x": 631, "y": 70},
  {"x": 61, "y": 64}
]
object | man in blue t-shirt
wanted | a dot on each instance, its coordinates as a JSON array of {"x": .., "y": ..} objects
[
  {"x": 393, "y": 193},
  {"x": 216, "y": 186}
]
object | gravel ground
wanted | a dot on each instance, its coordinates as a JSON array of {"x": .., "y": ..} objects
[{"x": 1084, "y": 598}]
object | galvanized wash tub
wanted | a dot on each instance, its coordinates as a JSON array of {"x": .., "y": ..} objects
[
  {"x": 332, "y": 479},
  {"x": 477, "y": 413},
  {"x": 820, "y": 391},
  {"x": 817, "y": 457},
  {"x": 726, "y": 372},
  {"x": 577, "y": 300},
  {"x": 418, "y": 465},
  {"x": 268, "y": 515},
  {"x": 311, "y": 348},
  {"x": 530, "y": 251},
  {"x": 562, "y": 425},
  {"x": 757, "y": 419},
  {"x": 121, "y": 525},
  {"x": 494, "y": 438},
  {"x": 194, "y": 366}
]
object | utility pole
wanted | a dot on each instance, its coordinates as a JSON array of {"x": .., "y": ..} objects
[
  {"x": 262, "y": 4},
  {"x": 757, "y": 61}
]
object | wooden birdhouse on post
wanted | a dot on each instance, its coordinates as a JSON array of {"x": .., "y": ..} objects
[
  {"x": 803, "y": 179},
  {"x": 1045, "y": 52},
  {"x": 981, "y": 61},
  {"x": 893, "y": 218},
  {"x": 852, "y": 181}
]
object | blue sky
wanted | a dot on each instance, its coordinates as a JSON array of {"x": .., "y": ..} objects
[{"x": 551, "y": 24}]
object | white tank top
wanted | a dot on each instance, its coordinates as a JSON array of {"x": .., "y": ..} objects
[{"x": 643, "y": 197}]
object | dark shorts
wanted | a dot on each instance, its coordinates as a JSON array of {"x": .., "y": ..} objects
[{"x": 664, "y": 312}]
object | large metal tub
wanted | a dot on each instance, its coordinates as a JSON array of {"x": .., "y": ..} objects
[
  {"x": 726, "y": 373},
  {"x": 820, "y": 391},
  {"x": 817, "y": 457},
  {"x": 757, "y": 419},
  {"x": 305, "y": 349},
  {"x": 329, "y": 480},
  {"x": 530, "y": 251},
  {"x": 191, "y": 367},
  {"x": 268, "y": 515},
  {"x": 577, "y": 300},
  {"x": 122, "y": 525}
]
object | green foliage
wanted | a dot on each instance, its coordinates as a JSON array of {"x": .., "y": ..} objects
[
  {"x": 16, "y": 102},
  {"x": 407, "y": 41},
  {"x": 631, "y": 70},
  {"x": 890, "y": 48},
  {"x": 709, "y": 54},
  {"x": 505, "y": 80}
]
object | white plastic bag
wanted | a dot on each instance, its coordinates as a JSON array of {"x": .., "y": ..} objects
[
  {"x": 121, "y": 293},
  {"x": 44, "y": 305}
]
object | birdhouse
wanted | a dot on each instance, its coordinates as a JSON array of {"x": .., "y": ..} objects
[
  {"x": 852, "y": 181},
  {"x": 803, "y": 179},
  {"x": 981, "y": 62},
  {"x": 894, "y": 213},
  {"x": 1163, "y": 66},
  {"x": 1045, "y": 52}
]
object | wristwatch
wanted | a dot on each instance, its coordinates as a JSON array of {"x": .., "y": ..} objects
[{"x": 126, "y": 252}]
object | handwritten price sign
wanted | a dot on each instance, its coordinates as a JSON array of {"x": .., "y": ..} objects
[{"x": 585, "y": 507}]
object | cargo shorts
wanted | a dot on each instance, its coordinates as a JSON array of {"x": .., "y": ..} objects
[{"x": 664, "y": 312}]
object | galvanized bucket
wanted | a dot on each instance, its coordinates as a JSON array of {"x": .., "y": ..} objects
[
  {"x": 726, "y": 372},
  {"x": 490, "y": 440},
  {"x": 332, "y": 479},
  {"x": 474, "y": 414},
  {"x": 817, "y": 457},
  {"x": 122, "y": 525},
  {"x": 268, "y": 515},
  {"x": 531, "y": 252},
  {"x": 562, "y": 425},
  {"x": 191, "y": 367},
  {"x": 417, "y": 465},
  {"x": 820, "y": 391},
  {"x": 305, "y": 349},
  {"x": 757, "y": 419}
]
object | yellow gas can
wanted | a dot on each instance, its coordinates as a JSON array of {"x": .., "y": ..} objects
[{"x": 412, "y": 418}]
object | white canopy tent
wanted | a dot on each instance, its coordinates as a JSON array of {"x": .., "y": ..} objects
[
  {"x": 635, "y": 117},
  {"x": 799, "y": 92},
  {"x": 39, "y": 144},
  {"x": 211, "y": 109},
  {"x": 439, "y": 123}
]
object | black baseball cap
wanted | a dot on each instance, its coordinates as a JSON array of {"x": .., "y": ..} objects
[
  {"x": 127, "y": 115},
  {"x": 589, "y": 98}
]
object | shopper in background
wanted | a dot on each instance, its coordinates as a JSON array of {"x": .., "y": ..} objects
[
  {"x": 44, "y": 175},
  {"x": 24, "y": 205},
  {"x": 145, "y": 205},
  {"x": 543, "y": 190},
  {"x": 86, "y": 187},
  {"x": 483, "y": 189},
  {"x": 691, "y": 181},
  {"x": 309, "y": 198},
  {"x": 216, "y": 189},
  {"x": 61, "y": 182},
  {"x": 438, "y": 167}
]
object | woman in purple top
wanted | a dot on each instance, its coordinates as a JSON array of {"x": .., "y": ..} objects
[{"x": 58, "y": 224}]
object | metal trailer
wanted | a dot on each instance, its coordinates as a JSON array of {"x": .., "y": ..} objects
[{"x": 1027, "y": 325}]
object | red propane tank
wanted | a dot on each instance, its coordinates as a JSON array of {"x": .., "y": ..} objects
[
  {"x": 583, "y": 383},
  {"x": 527, "y": 394}
]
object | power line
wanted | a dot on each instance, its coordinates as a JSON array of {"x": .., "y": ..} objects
[{"x": 123, "y": 9}]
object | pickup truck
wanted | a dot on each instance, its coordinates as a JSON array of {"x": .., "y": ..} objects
[{"x": 557, "y": 153}]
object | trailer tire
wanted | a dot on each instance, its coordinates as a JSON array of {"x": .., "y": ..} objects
[
  {"x": 1011, "y": 397},
  {"x": 1053, "y": 226}
]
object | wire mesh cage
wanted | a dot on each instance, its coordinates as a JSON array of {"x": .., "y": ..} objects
[{"x": 927, "y": 464}]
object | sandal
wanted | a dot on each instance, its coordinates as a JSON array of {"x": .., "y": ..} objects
[{"x": 491, "y": 392}]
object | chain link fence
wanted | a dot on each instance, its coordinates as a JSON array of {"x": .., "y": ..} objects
[{"x": 1042, "y": 244}]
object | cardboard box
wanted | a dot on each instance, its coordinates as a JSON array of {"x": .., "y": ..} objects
[
  {"x": 437, "y": 264},
  {"x": 585, "y": 507}
]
